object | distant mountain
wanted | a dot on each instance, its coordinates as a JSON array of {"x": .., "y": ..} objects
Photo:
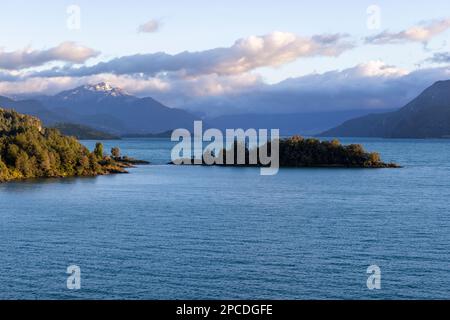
[
  {"x": 290, "y": 123},
  {"x": 82, "y": 132},
  {"x": 110, "y": 109},
  {"x": 427, "y": 116},
  {"x": 165, "y": 134},
  {"x": 33, "y": 108}
]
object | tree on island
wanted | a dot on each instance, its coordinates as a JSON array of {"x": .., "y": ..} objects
[
  {"x": 98, "y": 151},
  {"x": 300, "y": 152},
  {"x": 115, "y": 152}
]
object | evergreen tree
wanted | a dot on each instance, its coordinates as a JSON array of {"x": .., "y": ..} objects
[{"x": 98, "y": 151}]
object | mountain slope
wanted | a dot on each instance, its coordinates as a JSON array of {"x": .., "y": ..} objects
[
  {"x": 427, "y": 116},
  {"x": 82, "y": 132},
  {"x": 289, "y": 124},
  {"x": 113, "y": 110},
  {"x": 33, "y": 108}
]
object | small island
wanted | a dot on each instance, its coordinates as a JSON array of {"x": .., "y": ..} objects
[
  {"x": 29, "y": 150},
  {"x": 300, "y": 152}
]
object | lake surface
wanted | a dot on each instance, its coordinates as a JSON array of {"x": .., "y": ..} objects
[{"x": 167, "y": 232}]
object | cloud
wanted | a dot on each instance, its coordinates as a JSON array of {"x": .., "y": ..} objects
[
  {"x": 9, "y": 75},
  {"x": 375, "y": 68},
  {"x": 172, "y": 90},
  {"x": 369, "y": 86},
  {"x": 26, "y": 58},
  {"x": 423, "y": 33},
  {"x": 54, "y": 85},
  {"x": 180, "y": 91},
  {"x": 149, "y": 27},
  {"x": 36, "y": 86},
  {"x": 440, "y": 57},
  {"x": 244, "y": 55},
  {"x": 184, "y": 76}
]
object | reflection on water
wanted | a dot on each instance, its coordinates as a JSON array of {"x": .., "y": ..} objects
[{"x": 38, "y": 184}]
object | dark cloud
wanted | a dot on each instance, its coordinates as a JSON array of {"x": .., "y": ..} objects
[{"x": 440, "y": 57}]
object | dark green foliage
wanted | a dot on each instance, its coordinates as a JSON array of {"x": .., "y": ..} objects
[
  {"x": 98, "y": 151},
  {"x": 27, "y": 150},
  {"x": 299, "y": 152}
]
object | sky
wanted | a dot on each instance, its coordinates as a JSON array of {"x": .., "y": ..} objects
[{"x": 197, "y": 53}]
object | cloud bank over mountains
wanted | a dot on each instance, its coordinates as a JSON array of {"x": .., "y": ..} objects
[{"x": 370, "y": 86}]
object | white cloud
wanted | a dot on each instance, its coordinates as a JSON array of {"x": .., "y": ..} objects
[
  {"x": 150, "y": 26},
  {"x": 377, "y": 68},
  {"x": 26, "y": 58},
  {"x": 244, "y": 55},
  {"x": 420, "y": 33},
  {"x": 53, "y": 85},
  {"x": 36, "y": 86}
]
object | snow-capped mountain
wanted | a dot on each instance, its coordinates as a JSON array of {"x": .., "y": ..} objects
[
  {"x": 108, "y": 108},
  {"x": 103, "y": 87},
  {"x": 97, "y": 91}
]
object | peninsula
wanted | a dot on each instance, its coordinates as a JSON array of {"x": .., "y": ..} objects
[{"x": 29, "y": 150}]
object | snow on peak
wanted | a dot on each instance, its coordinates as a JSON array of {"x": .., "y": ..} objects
[
  {"x": 99, "y": 91},
  {"x": 105, "y": 87},
  {"x": 102, "y": 86}
]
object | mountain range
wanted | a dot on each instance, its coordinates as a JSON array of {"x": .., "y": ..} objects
[
  {"x": 104, "y": 108},
  {"x": 427, "y": 116},
  {"x": 289, "y": 123},
  {"x": 90, "y": 110}
]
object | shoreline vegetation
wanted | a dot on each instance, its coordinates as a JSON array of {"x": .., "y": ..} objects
[
  {"x": 29, "y": 150},
  {"x": 295, "y": 152}
]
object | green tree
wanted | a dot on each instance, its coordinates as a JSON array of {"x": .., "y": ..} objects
[
  {"x": 4, "y": 171},
  {"x": 98, "y": 151},
  {"x": 12, "y": 153},
  {"x": 24, "y": 165},
  {"x": 29, "y": 150}
]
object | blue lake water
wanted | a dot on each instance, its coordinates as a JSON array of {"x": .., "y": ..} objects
[{"x": 166, "y": 232}]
